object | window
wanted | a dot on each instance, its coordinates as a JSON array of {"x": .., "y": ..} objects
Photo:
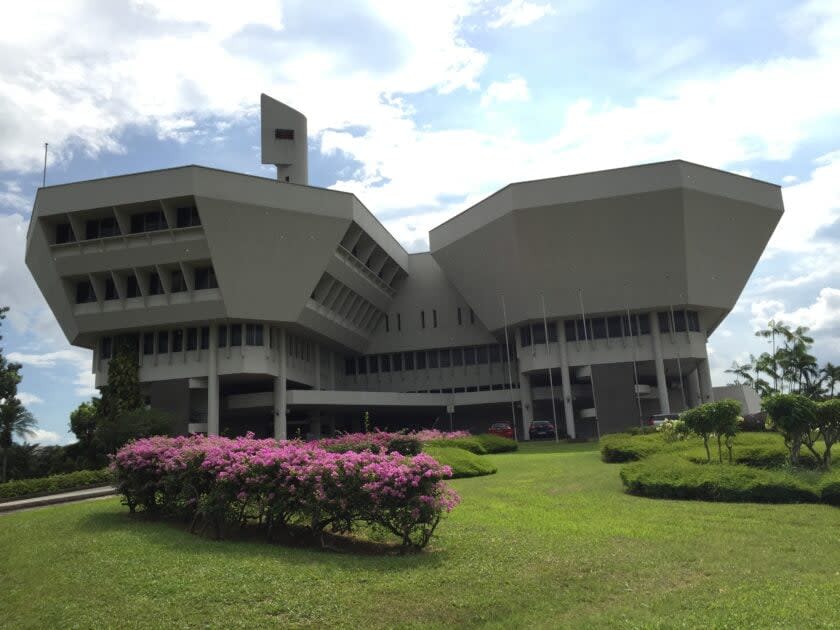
[
  {"x": 678, "y": 318},
  {"x": 64, "y": 233},
  {"x": 176, "y": 281},
  {"x": 132, "y": 287},
  {"x": 236, "y": 335},
  {"x": 188, "y": 217},
  {"x": 84, "y": 292},
  {"x": 644, "y": 323},
  {"x": 177, "y": 340},
  {"x": 409, "y": 360},
  {"x": 92, "y": 229},
  {"x": 445, "y": 358},
  {"x": 433, "y": 358},
  {"x": 599, "y": 328},
  {"x": 472, "y": 317},
  {"x": 481, "y": 355},
  {"x": 349, "y": 366},
  {"x": 155, "y": 285},
  {"x": 362, "y": 365},
  {"x": 525, "y": 335},
  {"x": 434, "y": 318},
  {"x": 460, "y": 319},
  {"x": 584, "y": 331},
  {"x": 253, "y": 335},
  {"x": 495, "y": 354},
  {"x": 457, "y": 356},
  {"x": 284, "y": 134},
  {"x": 148, "y": 222},
  {"x": 399, "y": 322},
  {"x": 570, "y": 327},
  {"x": 693, "y": 321},
  {"x": 192, "y": 338},
  {"x": 108, "y": 227},
  {"x": 614, "y": 327},
  {"x": 205, "y": 278},
  {"x": 421, "y": 360},
  {"x": 148, "y": 343},
  {"x": 469, "y": 356},
  {"x": 374, "y": 364},
  {"x": 223, "y": 336},
  {"x": 110, "y": 289},
  {"x": 539, "y": 334},
  {"x": 387, "y": 323},
  {"x": 205, "y": 337},
  {"x": 397, "y": 361},
  {"x": 106, "y": 348},
  {"x": 385, "y": 362},
  {"x": 422, "y": 319},
  {"x": 163, "y": 341}
]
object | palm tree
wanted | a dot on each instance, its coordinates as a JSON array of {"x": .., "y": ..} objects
[
  {"x": 743, "y": 371},
  {"x": 15, "y": 421},
  {"x": 831, "y": 373},
  {"x": 774, "y": 328}
]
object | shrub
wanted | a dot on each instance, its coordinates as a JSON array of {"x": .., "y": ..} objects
[
  {"x": 375, "y": 441},
  {"x": 112, "y": 433},
  {"x": 496, "y": 443},
  {"x": 716, "y": 418},
  {"x": 471, "y": 444},
  {"x": 463, "y": 463},
  {"x": 218, "y": 482},
  {"x": 828, "y": 426},
  {"x": 673, "y": 430},
  {"x": 673, "y": 477},
  {"x": 622, "y": 447},
  {"x": 794, "y": 416},
  {"x": 54, "y": 483},
  {"x": 830, "y": 491},
  {"x": 645, "y": 430}
]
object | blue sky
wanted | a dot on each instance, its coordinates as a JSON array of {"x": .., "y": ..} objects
[{"x": 421, "y": 109}]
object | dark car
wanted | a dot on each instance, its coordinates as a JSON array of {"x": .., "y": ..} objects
[
  {"x": 502, "y": 429},
  {"x": 541, "y": 429}
]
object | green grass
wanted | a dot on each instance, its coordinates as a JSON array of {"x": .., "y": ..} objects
[
  {"x": 551, "y": 540},
  {"x": 463, "y": 463}
]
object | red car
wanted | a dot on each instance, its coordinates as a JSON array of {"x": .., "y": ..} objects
[{"x": 502, "y": 429}]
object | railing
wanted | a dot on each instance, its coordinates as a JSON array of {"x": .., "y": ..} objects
[{"x": 348, "y": 256}]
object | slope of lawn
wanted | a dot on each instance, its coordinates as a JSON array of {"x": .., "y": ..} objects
[{"x": 551, "y": 540}]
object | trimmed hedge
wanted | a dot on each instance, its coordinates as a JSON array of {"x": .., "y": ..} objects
[
  {"x": 674, "y": 477},
  {"x": 624, "y": 447},
  {"x": 462, "y": 462},
  {"x": 54, "y": 483},
  {"x": 471, "y": 444},
  {"x": 496, "y": 443},
  {"x": 830, "y": 491}
]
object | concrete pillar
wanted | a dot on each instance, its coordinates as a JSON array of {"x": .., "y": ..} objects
[
  {"x": 527, "y": 404},
  {"x": 566, "y": 382},
  {"x": 280, "y": 387},
  {"x": 213, "y": 382},
  {"x": 317, "y": 366},
  {"x": 661, "y": 383},
  {"x": 705, "y": 374},
  {"x": 693, "y": 388}
]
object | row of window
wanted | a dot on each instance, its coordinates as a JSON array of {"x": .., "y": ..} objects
[
  {"x": 203, "y": 278},
  {"x": 614, "y": 327},
  {"x": 105, "y": 227},
  {"x": 470, "y": 388},
  {"x": 398, "y": 319},
  {"x": 422, "y": 359},
  {"x": 180, "y": 339}
]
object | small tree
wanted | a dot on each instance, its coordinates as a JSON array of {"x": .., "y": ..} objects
[
  {"x": 122, "y": 394},
  {"x": 15, "y": 421},
  {"x": 794, "y": 416},
  {"x": 715, "y": 418},
  {"x": 828, "y": 425},
  {"x": 139, "y": 423},
  {"x": 700, "y": 422}
]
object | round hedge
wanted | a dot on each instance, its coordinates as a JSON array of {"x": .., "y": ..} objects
[{"x": 462, "y": 462}]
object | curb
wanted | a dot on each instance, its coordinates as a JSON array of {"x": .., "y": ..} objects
[{"x": 56, "y": 499}]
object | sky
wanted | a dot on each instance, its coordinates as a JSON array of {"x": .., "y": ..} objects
[{"x": 421, "y": 109}]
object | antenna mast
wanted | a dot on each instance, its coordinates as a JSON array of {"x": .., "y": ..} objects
[{"x": 44, "y": 182}]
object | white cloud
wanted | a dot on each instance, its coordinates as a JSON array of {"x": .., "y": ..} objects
[
  {"x": 519, "y": 13},
  {"x": 29, "y": 399},
  {"x": 790, "y": 179},
  {"x": 44, "y": 437},
  {"x": 515, "y": 89},
  {"x": 77, "y": 358}
]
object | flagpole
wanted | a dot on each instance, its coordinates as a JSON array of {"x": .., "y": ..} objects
[
  {"x": 550, "y": 378},
  {"x": 510, "y": 374}
]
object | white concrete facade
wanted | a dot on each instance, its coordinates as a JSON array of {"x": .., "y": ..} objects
[{"x": 277, "y": 307}]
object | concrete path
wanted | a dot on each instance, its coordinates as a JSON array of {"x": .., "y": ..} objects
[{"x": 53, "y": 499}]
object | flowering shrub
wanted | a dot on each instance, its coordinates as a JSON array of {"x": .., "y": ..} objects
[
  {"x": 673, "y": 430},
  {"x": 219, "y": 482},
  {"x": 405, "y": 443}
]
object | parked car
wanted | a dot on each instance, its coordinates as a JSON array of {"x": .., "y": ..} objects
[
  {"x": 502, "y": 429},
  {"x": 658, "y": 418},
  {"x": 541, "y": 429}
]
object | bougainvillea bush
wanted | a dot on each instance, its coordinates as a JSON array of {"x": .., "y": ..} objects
[
  {"x": 221, "y": 483},
  {"x": 405, "y": 443}
]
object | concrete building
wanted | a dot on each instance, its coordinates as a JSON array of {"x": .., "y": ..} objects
[{"x": 282, "y": 308}]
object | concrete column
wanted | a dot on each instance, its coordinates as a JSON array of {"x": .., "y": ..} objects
[
  {"x": 280, "y": 388},
  {"x": 566, "y": 382},
  {"x": 661, "y": 383},
  {"x": 694, "y": 388},
  {"x": 213, "y": 382},
  {"x": 317, "y": 366},
  {"x": 705, "y": 374},
  {"x": 527, "y": 404}
]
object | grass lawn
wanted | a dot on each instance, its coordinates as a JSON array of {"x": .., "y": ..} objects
[{"x": 549, "y": 541}]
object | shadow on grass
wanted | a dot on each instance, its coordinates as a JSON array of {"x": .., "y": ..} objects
[{"x": 299, "y": 548}]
